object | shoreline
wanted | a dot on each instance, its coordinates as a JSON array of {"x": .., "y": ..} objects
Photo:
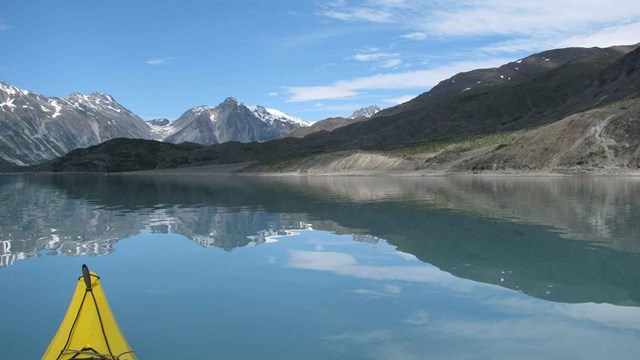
[{"x": 236, "y": 170}]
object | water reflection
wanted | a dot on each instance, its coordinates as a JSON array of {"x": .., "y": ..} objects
[{"x": 561, "y": 239}]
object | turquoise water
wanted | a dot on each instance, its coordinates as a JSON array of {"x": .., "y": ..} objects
[{"x": 338, "y": 268}]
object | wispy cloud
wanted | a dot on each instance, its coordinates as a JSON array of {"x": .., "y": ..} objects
[
  {"x": 399, "y": 100},
  {"x": 159, "y": 61},
  {"x": 624, "y": 34},
  {"x": 358, "y": 14},
  {"x": 308, "y": 93},
  {"x": 391, "y": 63},
  {"x": 382, "y": 59},
  {"x": 274, "y": 93},
  {"x": 541, "y": 25},
  {"x": 416, "y": 79},
  {"x": 372, "y": 56},
  {"x": 347, "y": 265},
  {"x": 416, "y": 35}
]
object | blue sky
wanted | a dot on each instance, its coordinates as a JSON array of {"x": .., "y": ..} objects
[{"x": 312, "y": 59}]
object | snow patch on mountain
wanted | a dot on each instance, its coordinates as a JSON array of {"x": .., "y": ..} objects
[
  {"x": 9, "y": 89},
  {"x": 95, "y": 101},
  {"x": 270, "y": 115},
  {"x": 161, "y": 128},
  {"x": 57, "y": 108},
  {"x": 200, "y": 109},
  {"x": 8, "y": 103}
]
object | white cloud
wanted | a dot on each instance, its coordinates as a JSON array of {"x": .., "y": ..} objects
[
  {"x": 542, "y": 24},
  {"x": 543, "y": 17},
  {"x": 371, "y": 293},
  {"x": 625, "y": 34},
  {"x": 273, "y": 93},
  {"x": 391, "y": 63},
  {"x": 400, "y": 99},
  {"x": 382, "y": 59},
  {"x": 373, "y": 56},
  {"x": 417, "y": 35},
  {"x": 347, "y": 265},
  {"x": 621, "y": 317},
  {"x": 358, "y": 14},
  {"x": 416, "y": 79},
  {"x": 159, "y": 61},
  {"x": 308, "y": 93},
  {"x": 391, "y": 3}
]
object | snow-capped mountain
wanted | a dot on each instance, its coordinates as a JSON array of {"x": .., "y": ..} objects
[
  {"x": 365, "y": 112},
  {"x": 231, "y": 120},
  {"x": 272, "y": 115},
  {"x": 34, "y": 128},
  {"x": 160, "y": 128}
]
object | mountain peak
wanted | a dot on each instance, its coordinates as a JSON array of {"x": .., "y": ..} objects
[
  {"x": 102, "y": 96},
  {"x": 366, "y": 112},
  {"x": 231, "y": 99},
  {"x": 11, "y": 90},
  {"x": 271, "y": 115}
]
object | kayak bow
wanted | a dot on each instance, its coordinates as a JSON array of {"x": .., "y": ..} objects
[{"x": 89, "y": 330}]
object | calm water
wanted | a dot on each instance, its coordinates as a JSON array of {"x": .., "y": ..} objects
[{"x": 329, "y": 268}]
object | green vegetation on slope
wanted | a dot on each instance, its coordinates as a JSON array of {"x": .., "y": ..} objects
[{"x": 453, "y": 145}]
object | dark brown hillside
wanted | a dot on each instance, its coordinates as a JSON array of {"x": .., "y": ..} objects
[{"x": 488, "y": 100}]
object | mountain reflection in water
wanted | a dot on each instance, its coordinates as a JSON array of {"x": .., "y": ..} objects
[{"x": 561, "y": 239}]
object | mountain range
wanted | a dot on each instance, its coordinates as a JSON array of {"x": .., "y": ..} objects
[
  {"x": 459, "y": 125},
  {"x": 35, "y": 128}
]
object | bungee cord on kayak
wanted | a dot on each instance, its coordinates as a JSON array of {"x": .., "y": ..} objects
[{"x": 91, "y": 329}]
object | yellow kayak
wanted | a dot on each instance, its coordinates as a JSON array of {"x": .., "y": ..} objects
[{"x": 89, "y": 330}]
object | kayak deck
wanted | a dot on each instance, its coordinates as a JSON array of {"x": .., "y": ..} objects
[{"x": 89, "y": 330}]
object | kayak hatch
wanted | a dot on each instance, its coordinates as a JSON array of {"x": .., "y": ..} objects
[{"x": 89, "y": 330}]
